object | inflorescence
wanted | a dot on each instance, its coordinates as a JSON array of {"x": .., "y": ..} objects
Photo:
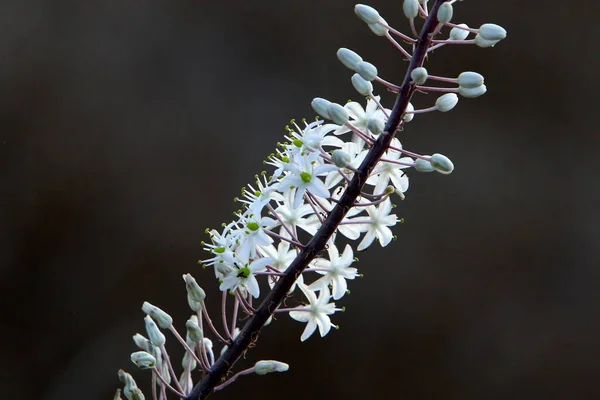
[{"x": 311, "y": 172}]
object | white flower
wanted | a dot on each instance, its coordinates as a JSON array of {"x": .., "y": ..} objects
[
  {"x": 360, "y": 116},
  {"x": 377, "y": 225},
  {"x": 244, "y": 277},
  {"x": 338, "y": 270},
  {"x": 250, "y": 236},
  {"x": 293, "y": 217},
  {"x": 385, "y": 172},
  {"x": 316, "y": 313},
  {"x": 305, "y": 177}
]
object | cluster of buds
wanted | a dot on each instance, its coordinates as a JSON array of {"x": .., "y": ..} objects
[{"x": 328, "y": 180}]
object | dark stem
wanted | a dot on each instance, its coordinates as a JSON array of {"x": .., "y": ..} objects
[{"x": 249, "y": 334}]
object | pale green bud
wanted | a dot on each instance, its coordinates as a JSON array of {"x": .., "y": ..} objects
[
  {"x": 492, "y": 32},
  {"x": 419, "y": 75},
  {"x": 366, "y": 70},
  {"x": 188, "y": 362},
  {"x": 423, "y": 165},
  {"x": 446, "y": 102},
  {"x": 363, "y": 87},
  {"x": 192, "y": 287},
  {"x": 445, "y": 13},
  {"x": 141, "y": 342},
  {"x": 194, "y": 305},
  {"x": 193, "y": 330},
  {"x": 337, "y": 114},
  {"x": 470, "y": 79},
  {"x": 366, "y": 13},
  {"x": 472, "y": 92},
  {"x": 348, "y": 58},
  {"x": 320, "y": 106},
  {"x": 375, "y": 125},
  {"x": 131, "y": 391},
  {"x": 143, "y": 360},
  {"x": 378, "y": 28},
  {"x": 481, "y": 42},
  {"x": 459, "y": 34},
  {"x": 163, "y": 319},
  {"x": 410, "y": 8},
  {"x": 340, "y": 158},
  {"x": 154, "y": 334},
  {"x": 408, "y": 115},
  {"x": 441, "y": 164},
  {"x": 264, "y": 367}
]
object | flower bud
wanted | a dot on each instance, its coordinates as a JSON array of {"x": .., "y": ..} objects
[
  {"x": 143, "y": 360},
  {"x": 337, "y": 114},
  {"x": 188, "y": 362},
  {"x": 320, "y": 106},
  {"x": 154, "y": 334},
  {"x": 470, "y": 79},
  {"x": 411, "y": 8},
  {"x": 441, "y": 164},
  {"x": 348, "y": 58},
  {"x": 446, "y": 102},
  {"x": 163, "y": 319},
  {"x": 492, "y": 32},
  {"x": 444, "y": 13},
  {"x": 423, "y": 165},
  {"x": 378, "y": 28},
  {"x": 264, "y": 367},
  {"x": 131, "y": 391},
  {"x": 408, "y": 115},
  {"x": 366, "y": 13},
  {"x": 375, "y": 125},
  {"x": 459, "y": 34},
  {"x": 472, "y": 92},
  {"x": 419, "y": 75},
  {"x": 193, "y": 289},
  {"x": 366, "y": 70},
  {"x": 193, "y": 330},
  {"x": 141, "y": 342},
  {"x": 363, "y": 87},
  {"x": 195, "y": 306},
  {"x": 340, "y": 158},
  {"x": 481, "y": 42}
]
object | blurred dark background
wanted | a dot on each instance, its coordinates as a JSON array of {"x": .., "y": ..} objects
[{"x": 127, "y": 128}]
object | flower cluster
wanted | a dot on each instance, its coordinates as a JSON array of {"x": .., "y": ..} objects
[{"x": 285, "y": 210}]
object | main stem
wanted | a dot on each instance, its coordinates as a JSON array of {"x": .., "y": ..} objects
[{"x": 249, "y": 334}]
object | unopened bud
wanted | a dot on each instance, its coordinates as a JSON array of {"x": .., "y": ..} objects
[
  {"x": 341, "y": 158},
  {"x": 337, "y": 114},
  {"x": 492, "y": 32},
  {"x": 408, "y": 114},
  {"x": 379, "y": 28},
  {"x": 445, "y": 13},
  {"x": 192, "y": 287},
  {"x": 367, "y": 13},
  {"x": 131, "y": 391},
  {"x": 481, "y": 42},
  {"x": 143, "y": 360},
  {"x": 367, "y": 70},
  {"x": 194, "y": 305},
  {"x": 472, "y": 92},
  {"x": 470, "y": 79},
  {"x": 446, "y": 102},
  {"x": 193, "y": 330},
  {"x": 141, "y": 342},
  {"x": 442, "y": 164},
  {"x": 363, "y": 87},
  {"x": 320, "y": 106},
  {"x": 375, "y": 125},
  {"x": 419, "y": 75},
  {"x": 423, "y": 165},
  {"x": 264, "y": 367},
  {"x": 459, "y": 34},
  {"x": 348, "y": 58},
  {"x": 411, "y": 8},
  {"x": 154, "y": 334},
  {"x": 163, "y": 319}
]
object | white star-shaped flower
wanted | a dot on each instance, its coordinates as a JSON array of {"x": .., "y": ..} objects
[
  {"x": 377, "y": 224},
  {"x": 316, "y": 313},
  {"x": 337, "y": 271}
]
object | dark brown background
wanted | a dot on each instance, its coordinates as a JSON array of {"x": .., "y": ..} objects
[{"x": 127, "y": 128}]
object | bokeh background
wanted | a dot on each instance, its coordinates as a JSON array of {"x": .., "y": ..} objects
[{"x": 128, "y": 127}]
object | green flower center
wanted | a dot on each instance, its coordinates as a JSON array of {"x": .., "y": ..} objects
[
  {"x": 219, "y": 250},
  {"x": 253, "y": 226},
  {"x": 298, "y": 142},
  {"x": 243, "y": 272},
  {"x": 306, "y": 177}
]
